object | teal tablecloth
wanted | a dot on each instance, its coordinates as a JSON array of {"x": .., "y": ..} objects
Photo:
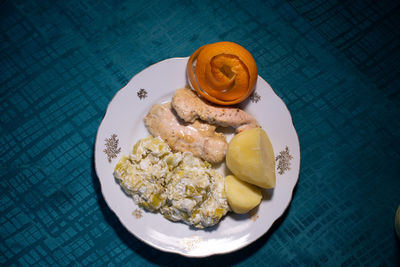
[{"x": 335, "y": 64}]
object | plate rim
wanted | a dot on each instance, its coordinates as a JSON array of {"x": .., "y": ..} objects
[{"x": 96, "y": 144}]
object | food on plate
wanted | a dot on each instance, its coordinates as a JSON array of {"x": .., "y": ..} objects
[
  {"x": 190, "y": 107},
  {"x": 224, "y": 73},
  {"x": 242, "y": 196},
  {"x": 166, "y": 173},
  {"x": 198, "y": 137},
  {"x": 250, "y": 157},
  {"x": 179, "y": 185}
]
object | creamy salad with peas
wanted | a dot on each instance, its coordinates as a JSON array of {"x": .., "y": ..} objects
[{"x": 179, "y": 185}]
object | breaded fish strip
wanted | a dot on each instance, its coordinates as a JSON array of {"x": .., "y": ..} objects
[
  {"x": 198, "y": 137},
  {"x": 190, "y": 107}
]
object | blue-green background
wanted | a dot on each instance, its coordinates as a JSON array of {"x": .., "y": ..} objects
[{"x": 334, "y": 63}]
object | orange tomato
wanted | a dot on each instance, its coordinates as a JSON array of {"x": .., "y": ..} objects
[{"x": 224, "y": 73}]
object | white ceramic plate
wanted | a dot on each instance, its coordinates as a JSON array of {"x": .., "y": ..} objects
[{"x": 123, "y": 122}]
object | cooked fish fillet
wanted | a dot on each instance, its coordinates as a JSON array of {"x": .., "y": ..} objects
[
  {"x": 190, "y": 107},
  {"x": 198, "y": 137}
]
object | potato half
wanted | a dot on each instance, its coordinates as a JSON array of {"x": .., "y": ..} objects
[
  {"x": 250, "y": 157},
  {"x": 242, "y": 197}
]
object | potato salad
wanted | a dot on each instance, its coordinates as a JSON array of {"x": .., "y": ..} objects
[{"x": 179, "y": 185}]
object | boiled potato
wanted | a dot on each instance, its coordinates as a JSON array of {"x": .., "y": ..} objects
[
  {"x": 242, "y": 197},
  {"x": 250, "y": 157}
]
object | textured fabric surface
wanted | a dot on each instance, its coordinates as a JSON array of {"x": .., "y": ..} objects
[{"x": 334, "y": 63}]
